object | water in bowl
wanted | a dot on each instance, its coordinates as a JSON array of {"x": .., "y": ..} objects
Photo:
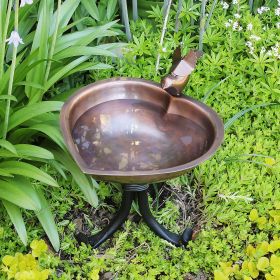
[{"x": 135, "y": 135}]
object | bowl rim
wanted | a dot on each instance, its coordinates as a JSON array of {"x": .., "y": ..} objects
[{"x": 66, "y": 132}]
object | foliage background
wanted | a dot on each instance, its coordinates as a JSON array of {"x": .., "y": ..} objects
[{"x": 243, "y": 175}]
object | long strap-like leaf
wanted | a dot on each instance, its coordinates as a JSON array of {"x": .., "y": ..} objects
[
  {"x": 20, "y": 192},
  {"x": 16, "y": 218},
  {"x": 243, "y": 112},
  {"x": 46, "y": 219}
]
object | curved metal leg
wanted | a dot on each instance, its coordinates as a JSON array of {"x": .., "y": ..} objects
[
  {"x": 117, "y": 221},
  {"x": 158, "y": 229}
]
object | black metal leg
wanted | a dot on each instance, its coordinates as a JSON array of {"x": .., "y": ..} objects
[
  {"x": 158, "y": 229},
  {"x": 127, "y": 198},
  {"x": 118, "y": 220}
]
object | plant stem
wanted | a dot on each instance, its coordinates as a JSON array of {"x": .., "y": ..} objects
[
  {"x": 177, "y": 21},
  {"x": 134, "y": 9},
  {"x": 251, "y": 3},
  {"x": 125, "y": 19},
  {"x": 210, "y": 14},
  {"x": 54, "y": 38},
  {"x": 165, "y": 7},
  {"x": 11, "y": 80},
  {"x": 4, "y": 38},
  {"x": 191, "y": 5},
  {"x": 163, "y": 32},
  {"x": 202, "y": 25}
]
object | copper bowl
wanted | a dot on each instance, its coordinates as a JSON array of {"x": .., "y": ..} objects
[
  {"x": 136, "y": 132},
  {"x": 131, "y": 130}
]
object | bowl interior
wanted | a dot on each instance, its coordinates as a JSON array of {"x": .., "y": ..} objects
[{"x": 137, "y": 127}]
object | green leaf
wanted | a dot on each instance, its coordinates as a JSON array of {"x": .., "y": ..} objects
[
  {"x": 274, "y": 246},
  {"x": 5, "y": 173},
  {"x": 92, "y": 9},
  {"x": 261, "y": 222},
  {"x": 80, "y": 178},
  {"x": 275, "y": 261},
  {"x": 8, "y": 97},
  {"x": 67, "y": 10},
  {"x": 8, "y": 146},
  {"x": 17, "y": 220},
  {"x": 253, "y": 215},
  {"x": 263, "y": 263},
  {"x": 28, "y": 170},
  {"x": 86, "y": 66},
  {"x": 52, "y": 132},
  {"x": 20, "y": 192},
  {"x": 111, "y": 8},
  {"x": 220, "y": 275},
  {"x": 207, "y": 94},
  {"x": 84, "y": 37},
  {"x": 59, "y": 168},
  {"x": 252, "y": 269},
  {"x": 31, "y": 111},
  {"x": 243, "y": 112},
  {"x": 83, "y": 50},
  {"x": 21, "y": 135},
  {"x": 30, "y": 84},
  {"x": 27, "y": 150},
  {"x": 262, "y": 249},
  {"x": 40, "y": 42},
  {"x": 47, "y": 221},
  {"x": 63, "y": 71}
]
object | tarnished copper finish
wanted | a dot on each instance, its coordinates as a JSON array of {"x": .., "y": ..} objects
[
  {"x": 132, "y": 131},
  {"x": 180, "y": 72},
  {"x": 135, "y": 132}
]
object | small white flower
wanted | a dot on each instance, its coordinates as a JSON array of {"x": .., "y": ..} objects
[
  {"x": 164, "y": 49},
  {"x": 235, "y": 2},
  {"x": 263, "y": 50},
  {"x": 275, "y": 51},
  {"x": 225, "y": 5},
  {"x": 249, "y": 44},
  {"x": 235, "y": 25},
  {"x": 14, "y": 39},
  {"x": 250, "y": 26},
  {"x": 237, "y": 15},
  {"x": 227, "y": 24},
  {"x": 255, "y": 38},
  {"x": 277, "y": 11},
  {"x": 230, "y": 20},
  {"x": 23, "y": 2},
  {"x": 240, "y": 28},
  {"x": 278, "y": 25},
  {"x": 262, "y": 10}
]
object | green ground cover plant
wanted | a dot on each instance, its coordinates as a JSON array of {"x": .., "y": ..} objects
[
  {"x": 232, "y": 200},
  {"x": 58, "y": 40}
]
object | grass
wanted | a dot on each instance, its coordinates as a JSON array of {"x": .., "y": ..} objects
[{"x": 215, "y": 194}]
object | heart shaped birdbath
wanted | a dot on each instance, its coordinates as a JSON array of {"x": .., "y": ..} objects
[{"x": 136, "y": 132}]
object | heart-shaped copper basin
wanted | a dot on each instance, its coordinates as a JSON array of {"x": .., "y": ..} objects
[{"x": 132, "y": 131}]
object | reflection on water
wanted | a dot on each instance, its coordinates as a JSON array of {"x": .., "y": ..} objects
[{"x": 134, "y": 135}]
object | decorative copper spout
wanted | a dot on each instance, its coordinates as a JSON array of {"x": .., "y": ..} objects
[{"x": 180, "y": 71}]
